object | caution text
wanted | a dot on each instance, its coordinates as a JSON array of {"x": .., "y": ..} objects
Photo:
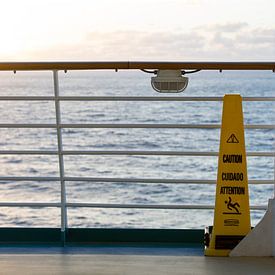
[
  {"x": 232, "y": 176},
  {"x": 232, "y": 158},
  {"x": 236, "y": 190}
]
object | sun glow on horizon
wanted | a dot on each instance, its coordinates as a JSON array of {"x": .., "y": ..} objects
[{"x": 83, "y": 29}]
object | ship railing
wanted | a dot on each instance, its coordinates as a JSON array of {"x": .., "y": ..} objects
[{"x": 60, "y": 152}]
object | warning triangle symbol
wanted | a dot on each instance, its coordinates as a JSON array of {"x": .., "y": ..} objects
[{"x": 232, "y": 139}]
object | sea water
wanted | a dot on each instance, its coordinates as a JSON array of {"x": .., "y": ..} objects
[{"x": 126, "y": 83}]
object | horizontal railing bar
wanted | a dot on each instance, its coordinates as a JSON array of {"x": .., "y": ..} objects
[
  {"x": 24, "y": 125},
  {"x": 27, "y": 152},
  {"x": 141, "y": 153},
  {"x": 29, "y": 178},
  {"x": 258, "y": 207},
  {"x": 260, "y": 154},
  {"x": 132, "y": 126},
  {"x": 139, "y": 206},
  {"x": 112, "y": 205},
  {"x": 29, "y": 204},
  {"x": 133, "y": 65},
  {"x": 259, "y": 126},
  {"x": 142, "y": 125},
  {"x": 27, "y": 98},
  {"x": 126, "y": 180},
  {"x": 155, "y": 98},
  {"x": 269, "y": 98},
  {"x": 137, "y": 98},
  {"x": 125, "y": 98},
  {"x": 164, "y": 126},
  {"x": 161, "y": 153},
  {"x": 128, "y": 153},
  {"x": 154, "y": 206},
  {"x": 154, "y": 180}
]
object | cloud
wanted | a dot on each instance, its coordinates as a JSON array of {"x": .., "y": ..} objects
[
  {"x": 134, "y": 44},
  {"x": 227, "y": 41},
  {"x": 222, "y": 40},
  {"x": 239, "y": 41},
  {"x": 232, "y": 41},
  {"x": 229, "y": 27},
  {"x": 258, "y": 36}
]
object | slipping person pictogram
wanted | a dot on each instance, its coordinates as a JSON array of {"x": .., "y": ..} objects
[{"x": 232, "y": 206}]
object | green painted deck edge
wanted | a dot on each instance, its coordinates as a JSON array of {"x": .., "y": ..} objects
[
  {"x": 30, "y": 235},
  {"x": 135, "y": 235},
  {"x": 83, "y": 236}
]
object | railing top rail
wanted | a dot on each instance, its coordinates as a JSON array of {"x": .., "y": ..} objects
[{"x": 132, "y": 65}]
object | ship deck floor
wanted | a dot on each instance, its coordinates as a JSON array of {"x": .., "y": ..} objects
[{"x": 126, "y": 260}]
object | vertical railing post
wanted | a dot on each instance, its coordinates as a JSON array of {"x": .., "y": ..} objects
[{"x": 60, "y": 157}]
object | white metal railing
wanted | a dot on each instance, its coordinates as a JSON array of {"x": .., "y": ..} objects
[{"x": 62, "y": 178}]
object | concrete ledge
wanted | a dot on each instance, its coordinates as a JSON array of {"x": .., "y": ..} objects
[{"x": 260, "y": 241}]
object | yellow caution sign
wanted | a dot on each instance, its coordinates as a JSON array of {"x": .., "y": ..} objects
[{"x": 232, "y": 215}]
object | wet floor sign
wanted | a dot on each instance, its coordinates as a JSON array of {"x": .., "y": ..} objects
[{"x": 232, "y": 215}]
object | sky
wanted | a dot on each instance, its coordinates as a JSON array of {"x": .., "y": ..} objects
[{"x": 163, "y": 30}]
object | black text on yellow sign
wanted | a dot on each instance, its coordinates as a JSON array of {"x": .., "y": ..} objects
[{"x": 231, "y": 215}]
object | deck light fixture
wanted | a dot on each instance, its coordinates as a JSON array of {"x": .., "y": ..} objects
[{"x": 169, "y": 81}]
